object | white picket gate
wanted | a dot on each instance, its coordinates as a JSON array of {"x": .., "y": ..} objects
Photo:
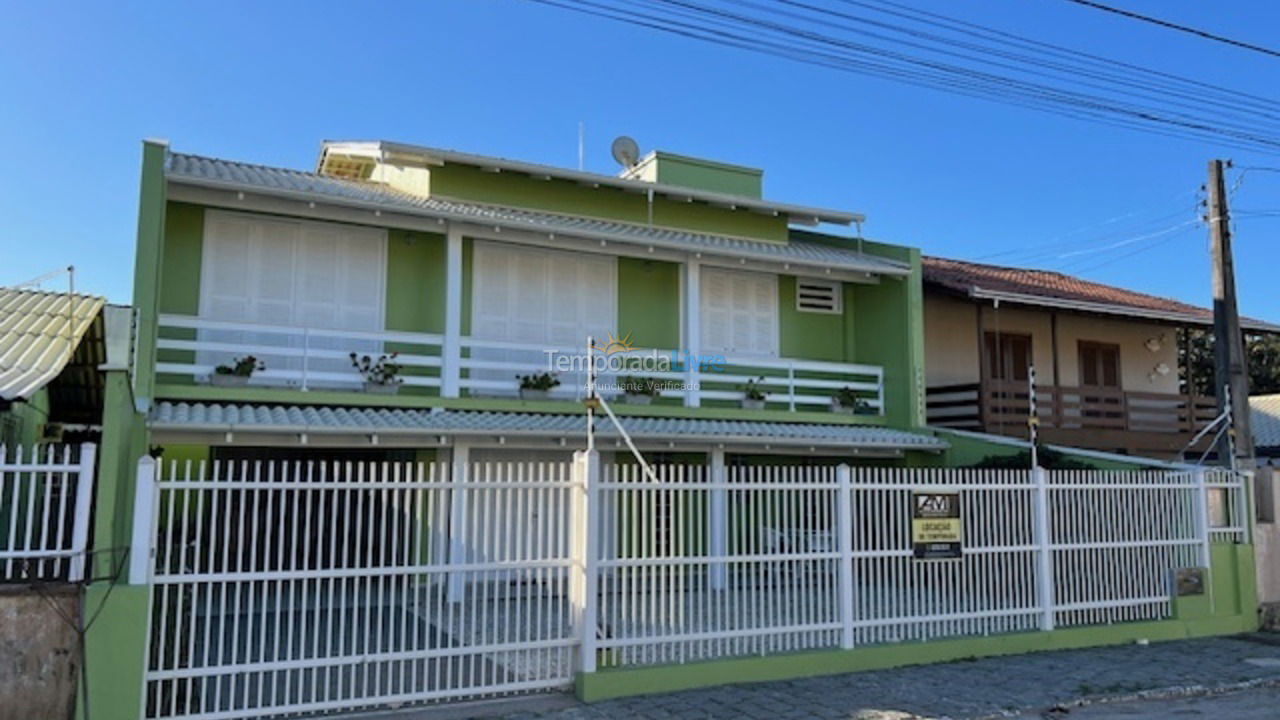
[
  {"x": 293, "y": 587},
  {"x": 46, "y": 494}
]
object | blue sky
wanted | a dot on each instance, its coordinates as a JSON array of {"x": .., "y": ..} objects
[{"x": 266, "y": 82}]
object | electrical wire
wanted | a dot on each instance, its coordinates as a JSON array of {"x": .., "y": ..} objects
[
  {"x": 1175, "y": 26},
  {"x": 1151, "y": 246},
  {"x": 1245, "y": 124}
]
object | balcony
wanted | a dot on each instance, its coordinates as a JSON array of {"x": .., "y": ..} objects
[
  {"x": 1100, "y": 418},
  {"x": 312, "y": 359}
]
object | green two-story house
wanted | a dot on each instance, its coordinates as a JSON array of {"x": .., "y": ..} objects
[
  {"x": 747, "y": 337},
  {"x": 482, "y": 275}
]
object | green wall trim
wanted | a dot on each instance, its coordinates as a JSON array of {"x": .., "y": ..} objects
[
  {"x": 607, "y": 684},
  {"x": 1230, "y": 608}
]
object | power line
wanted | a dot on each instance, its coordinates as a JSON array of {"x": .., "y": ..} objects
[
  {"x": 1053, "y": 248},
  {"x": 1151, "y": 246},
  {"x": 819, "y": 47},
  {"x": 1175, "y": 26}
]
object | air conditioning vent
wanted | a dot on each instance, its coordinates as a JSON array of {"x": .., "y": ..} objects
[{"x": 820, "y": 296}]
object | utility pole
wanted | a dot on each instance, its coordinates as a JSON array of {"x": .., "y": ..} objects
[{"x": 1228, "y": 343}]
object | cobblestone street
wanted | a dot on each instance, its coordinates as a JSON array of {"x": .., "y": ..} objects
[{"x": 1006, "y": 686}]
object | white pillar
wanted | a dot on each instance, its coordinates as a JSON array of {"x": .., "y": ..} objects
[
  {"x": 718, "y": 523},
  {"x": 459, "y": 476},
  {"x": 1044, "y": 555},
  {"x": 84, "y": 505},
  {"x": 692, "y": 329},
  {"x": 844, "y": 543},
  {"x": 451, "y": 351},
  {"x": 145, "y": 514},
  {"x": 584, "y": 524}
]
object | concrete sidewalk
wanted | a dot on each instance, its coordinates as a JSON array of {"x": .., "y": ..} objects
[{"x": 991, "y": 687}]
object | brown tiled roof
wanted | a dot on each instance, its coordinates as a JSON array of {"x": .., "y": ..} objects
[{"x": 977, "y": 279}]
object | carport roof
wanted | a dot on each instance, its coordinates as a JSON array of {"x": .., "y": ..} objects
[{"x": 319, "y": 419}]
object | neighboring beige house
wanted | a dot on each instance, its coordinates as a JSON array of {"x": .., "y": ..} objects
[{"x": 1106, "y": 359}]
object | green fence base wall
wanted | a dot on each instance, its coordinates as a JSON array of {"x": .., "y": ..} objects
[
  {"x": 1229, "y": 607},
  {"x": 115, "y": 651}
]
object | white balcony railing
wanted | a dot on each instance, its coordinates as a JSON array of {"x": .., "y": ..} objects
[{"x": 314, "y": 359}]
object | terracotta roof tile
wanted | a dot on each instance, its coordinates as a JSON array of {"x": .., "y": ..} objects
[{"x": 968, "y": 277}]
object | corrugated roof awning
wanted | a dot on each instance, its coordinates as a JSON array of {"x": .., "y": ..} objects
[
  {"x": 195, "y": 170},
  {"x": 39, "y": 333},
  {"x": 312, "y": 419}
]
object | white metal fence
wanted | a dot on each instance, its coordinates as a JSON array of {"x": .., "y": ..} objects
[
  {"x": 46, "y": 493},
  {"x": 284, "y": 587}
]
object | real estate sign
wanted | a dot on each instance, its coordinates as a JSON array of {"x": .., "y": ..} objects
[{"x": 937, "y": 532}]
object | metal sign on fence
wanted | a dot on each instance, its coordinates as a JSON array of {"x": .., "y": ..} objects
[{"x": 937, "y": 532}]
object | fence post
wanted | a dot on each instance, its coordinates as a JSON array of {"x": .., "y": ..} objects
[
  {"x": 718, "y": 524},
  {"x": 1202, "y": 515},
  {"x": 844, "y": 526},
  {"x": 1044, "y": 540},
  {"x": 459, "y": 476},
  {"x": 1246, "y": 505},
  {"x": 84, "y": 505},
  {"x": 145, "y": 515},
  {"x": 584, "y": 523}
]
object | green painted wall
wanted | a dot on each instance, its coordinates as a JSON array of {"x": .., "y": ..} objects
[
  {"x": 649, "y": 302},
  {"x": 147, "y": 264},
  {"x": 470, "y": 183},
  {"x": 710, "y": 175},
  {"x": 888, "y": 321},
  {"x": 183, "y": 254},
  {"x": 1231, "y": 608},
  {"x": 21, "y": 424},
  {"x": 115, "y": 651},
  {"x": 115, "y": 645},
  {"x": 415, "y": 281},
  {"x": 124, "y": 441},
  {"x": 810, "y": 335}
]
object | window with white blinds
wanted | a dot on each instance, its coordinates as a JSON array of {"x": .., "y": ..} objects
[
  {"x": 739, "y": 312},
  {"x": 545, "y": 298},
  {"x": 297, "y": 273}
]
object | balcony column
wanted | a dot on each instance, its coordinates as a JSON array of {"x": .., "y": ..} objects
[
  {"x": 451, "y": 350},
  {"x": 692, "y": 329},
  {"x": 718, "y": 522}
]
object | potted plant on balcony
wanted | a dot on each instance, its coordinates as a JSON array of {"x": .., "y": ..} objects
[
  {"x": 640, "y": 390},
  {"x": 381, "y": 376},
  {"x": 753, "y": 395},
  {"x": 847, "y": 402},
  {"x": 236, "y": 374},
  {"x": 537, "y": 386}
]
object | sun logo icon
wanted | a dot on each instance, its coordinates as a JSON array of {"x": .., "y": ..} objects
[{"x": 615, "y": 345}]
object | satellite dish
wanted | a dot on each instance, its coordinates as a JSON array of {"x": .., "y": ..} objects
[{"x": 625, "y": 151}]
